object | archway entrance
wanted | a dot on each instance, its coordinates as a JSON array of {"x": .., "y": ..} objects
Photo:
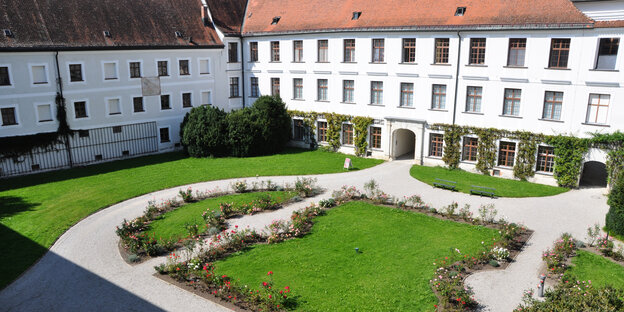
[
  {"x": 594, "y": 174},
  {"x": 404, "y": 144}
]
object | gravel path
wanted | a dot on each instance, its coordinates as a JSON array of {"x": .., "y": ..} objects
[{"x": 83, "y": 270}]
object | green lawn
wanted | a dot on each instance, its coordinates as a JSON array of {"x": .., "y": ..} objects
[
  {"x": 35, "y": 210},
  {"x": 391, "y": 274},
  {"x": 601, "y": 271},
  {"x": 504, "y": 187},
  {"x": 172, "y": 224}
]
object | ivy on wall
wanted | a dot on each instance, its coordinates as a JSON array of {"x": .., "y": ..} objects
[
  {"x": 452, "y": 147},
  {"x": 527, "y": 151},
  {"x": 361, "y": 133},
  {"x": 614, "y": 144},
  {"x": 569, "y": 153}
]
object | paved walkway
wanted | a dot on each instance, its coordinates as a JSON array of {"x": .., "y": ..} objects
[{"x": 83, "y": 270}]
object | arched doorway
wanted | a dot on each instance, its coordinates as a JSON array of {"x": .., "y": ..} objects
[
  {"x": 594, "y": 174},
  {"x": 404, "y": 144}
]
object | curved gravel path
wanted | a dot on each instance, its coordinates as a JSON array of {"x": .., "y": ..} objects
[{"x": 83, "y": 270}]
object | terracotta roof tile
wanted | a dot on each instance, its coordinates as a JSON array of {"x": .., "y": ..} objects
[
  {"x": 67, "y": 24},
  {"x": 297, "y": 15},
  {"x": 609, "y": 24},
  {"x": 228, "y": 15}
]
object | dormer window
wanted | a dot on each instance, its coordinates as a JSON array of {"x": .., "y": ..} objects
[
  {"x": 460, "y": 11},
  {"x": 356, "y": 15},
  {"x": 107, "y": 34},
  {"x": 178, "y": 34},
  {"x": 276, "y": 20},
  {"x": 8, "y": 33}
]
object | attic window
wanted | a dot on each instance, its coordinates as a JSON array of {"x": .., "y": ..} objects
[
  {"x": 276, "y": 20},
  {"x": 8, "y": 33},
  {"x": 107, "y": 34},
  {"x": 356, "y": 15},
  {"x": 178, "y": 34},
  {"x": 460, "y": 11}
]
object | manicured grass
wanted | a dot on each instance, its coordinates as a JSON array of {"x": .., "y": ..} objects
[
  {"x": 392, "y": 272},
  {"x": 601, "y": 271},
  {"x": 504, "y": 187},
  {"x": 39, "y": 208},
  {"x": 172, "y": 225}
]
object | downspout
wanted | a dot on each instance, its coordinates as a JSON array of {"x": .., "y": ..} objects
[
  {"x": 61, "y": 112},
  {"x": 422, "y": 146},
  {"x": 457, "y": 76},
  {"x": 243, "y": 69}
]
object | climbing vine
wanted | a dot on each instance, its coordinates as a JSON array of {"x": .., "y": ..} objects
[
  {"x": 486, "y": 150},
  {"x": 452, "y": 147},
  {"x": 614, "y": 143},
  {"x": 569, "y": 152},
  {"x": 361, "y": 133},
  {"x": 527, "y": 149},
  {"x": 309, "y": 123}
]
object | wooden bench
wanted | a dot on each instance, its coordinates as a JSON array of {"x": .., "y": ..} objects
[
  {"x": 483, "y": 191},
  {"x": 445, "y": 184}
]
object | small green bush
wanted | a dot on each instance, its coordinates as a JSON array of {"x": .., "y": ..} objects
[
  {"x": 615, "y": 216},
  {"x": 204, "y": 132}
]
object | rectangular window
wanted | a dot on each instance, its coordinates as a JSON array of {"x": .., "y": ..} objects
[
  {"x": 477, "y": 51},
  {"x": 297, "y": 51},
  {"x": 441, "y": 51},
  {"x": 163, "y": 68},
  {"x": 5, "y": 79},
  {"x": 473, "y": 99},
  {"x": 349, "y": 50},
  {"x": 598, "y": 108},
  {"x": 559, "y": 53},
  {"x": 117, "y": 129},
  {"x": 184, "y": 67},
  {"x": 114, "y": 107},
  {"x": 323, "y": 51},
  {"x": 255, "y": 90},
  {"x": 253, "y": 51},
  {"x": 552, "y": 105},
  {"x": 137, "y": 104},
  {"x": 44, "y": 112},
  {"x": 348, "y": 90},
  {"x": 186, "y": 100},
  {"x": 165, "y": 101},
  {"x": 407, "y": 94},
  {"x": 378, "y": 51},
  {"x": 409, "y": 50},
  {"x": 80, "y": 109},
  {"x": 517, "y": 51},
  {"x": 298, "y": 130},
  {"x": 75, "y": 72},
  {"x": 511, "y": 104},
  {"x": 436, "y": 144},
  {"x": 375, "y": 137},
  {"x": 322, "y": 131},
  {"x": 234, "y": 87},
  {"x": 206, "y": 99},
  {"x": 204, "y": 67},
  {"x": 275, "y": 86},
  {"x": 506, "y": 154},
  {"x": 298, "y": 88},
  {"x": 39, "y": 74},
  {"x": 8, "y": 116},
  {"x": 164, "y": 135},
  {"x": 232, "y": 52},
  {"x": 322, "y": 89},
  {"x": 377, "y": 92},
  {"x": 607, "y": 53},
  {"x": 135, "y": 70},
  {"x": 83, "y": 133},
  {"x": 469, "y": 150},
  {"x": 347, "y": 134},
  {"x": 275, "y": 51},
  {"x": 545, "y": 159},
  {"x": 438, "y": 96},
  {"x": 110, "y": 71}
]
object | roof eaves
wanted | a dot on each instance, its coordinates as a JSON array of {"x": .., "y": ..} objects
[{"x": 106, "y": 48}]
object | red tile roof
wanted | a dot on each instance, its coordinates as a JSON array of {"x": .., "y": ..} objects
[
  {"x": 609, "y": 24},
  {"x": 70, "y": 24},
  {"x": 297, "y": 15},
  {"x": 228, "y": 15}
]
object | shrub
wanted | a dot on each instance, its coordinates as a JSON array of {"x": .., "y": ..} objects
[
  {"x": 306, "y": 186},
  {"x": 449, "y": 210},
  {"x": 487, "y": 213},
  {"x": 327, "y": 203},
  {"x": 187, "y": 195},
  {"x": 274, "y": 124},
  {"x": 592, "y": 234},
  {"x": 204, "y": 133},
  {"x": 605, "y": 245},
  {"x": 239, "y": 186},
  {"x": 615, "y": 216},
  {"x": 576, "y": 296},
  {"x": 500, "y": 253}
]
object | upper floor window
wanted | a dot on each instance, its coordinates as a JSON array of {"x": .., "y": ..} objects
[
  {"x": 204, "y": 67},
  {"x": 186, "y": 100},
  {"x": 441, "y": 51},
  {"x": 552, "y": 105},
  {"x": 473, "y": 99},
  {"x": 349, "y": 50},
  {"x": 8, "y": 116},
  {"x": 253, "y": 51},
  {"x": 163, "y": 68},
  {"x": 298, "y": 51},
  {"x": 407, "y": 95},
  {"x": 378, "y": 51},
  {"x": 184, "y": 67},
  {"x": 39, "y": 74},
  {"x": 409, "y": 50},
  {"x": 114, "y": 107},
  {"x": 511, "y": 104},
  {"x": 559, "y": 53},
  {"x": 275, "y": 86},
  {"x": 607, "y": 53},
  {"x": 470, "y": 148},
  {"x": 110, "y": 71},
  {"x": 206, "y": 98},
  {"x": 598, "y": 108},
  {"x": 5, "y": 79},
  {"x": 298, "y": 88},
  {"x": 275, "y": 51},
  {"x": 165, "y": 101},
  {"x": 436, "y": 144},
  {"x": 545, "y": 159},
  {"x": 232, "y": 52},
  {"x": 516, "y": 53},
  {"x": 80, "y": 109},
  {"x": 322, "y": 89},
  {"x": 438, "y": 96},
  {"x": 135, "y": 70},
  {"x": 377, "y": 92},
  {"x": 477, "y": 51},
  {"x": 506, "y": 154},
  {"x": 323, "y": 51},
  {"x": 375, "y": 137},
  {"x": 255, "y": 90},
  {"x": 348, "y": 88},
  {"x": 44, "y": 112},
  {"x": 75, "y": 72},
  {"x": 234, "y": 87},
  {"x": 137, "y": 104},
  {"x": 322, "y": 131}
]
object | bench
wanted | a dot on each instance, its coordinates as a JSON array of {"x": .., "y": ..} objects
[
  {"x": 445, "y": 184},
  {"x": 483, "y": 191}
]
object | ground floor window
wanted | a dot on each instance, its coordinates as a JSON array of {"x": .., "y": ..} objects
[
  {"x": 436, "y": 144},
  {"x": 545, "y": 159},
  {"x": 164, "y": 135},
  {"x": 347, "y": 134},
  {"x": 506, "y": 154},
  {"x": 322, "y": 131},
  {"x": 375, "y": 137},
  {"x": 469, "y": 150},
  {"x": 8, "y": 116},
  {"x": 299, "y": 130}
]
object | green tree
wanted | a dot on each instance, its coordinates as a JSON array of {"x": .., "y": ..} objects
[
  {"x": 204, "y": 132},
  {"x": 615, "y": 216}
]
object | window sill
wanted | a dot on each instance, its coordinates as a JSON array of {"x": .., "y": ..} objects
[
  {"x": 350, "y": 103},
  {"x": 470, "y": 162},
  {"x": 275, "y": 62},
  {"x": 476, "y": 65},
  {"x": 434, "y": 157},
  {"x": 168, "y": 108},
  {"x": 441, "y": 64},
  {"x": 595, "y": 124},
  {"x": 81, "y": 117},
  {"x": 380, "y": 105},
  {"x": 204, "y": 73},
  {"x": 185, "y": 75},
  {"x": 544, "y": 173},
  {"x": 139, "y": 111},
  {"x": 348, "y": 62},
  {"x": 112, "y": 114},
  {"x": 438, "y": 110},
  {"x": 551, "y": 120},
  {"x": 472, "y": 113},
  {"x": 319, "y": 62},
  {"x": 163, "y": 76},
  {"x": 236, "y": 62},
  {"x": 109, "y": 79},
  {"x": 510, "y": 116},
  {"x": 136, "y": 77},
  {"x": 557, "y": 68},
  {"x": 76, "y": 81},
  {"x": 406, "y": 107},
  {"x": 8, "y": 125},
  {"x": 191, "y": 106},
  {"x": 408, "y": 63},
  {"x": 512, "y": 66},
  {"x": 322, "y": 101},
  {"x": 297, "y": 62},
  {"x": 40, "y": 83},
  {"x": 47, "y": 120},
  {"x": 6, "y": 85},
  {"x": 604, "y": 70},
  {"x": 376, "y": 62},
  {"x": 234, "y": 97},
  {"x": 298, "y": 100}
]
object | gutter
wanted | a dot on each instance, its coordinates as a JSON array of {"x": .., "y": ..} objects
[
  {"x": 108, "y": 48},
  {"x": 457, "y": 76}
]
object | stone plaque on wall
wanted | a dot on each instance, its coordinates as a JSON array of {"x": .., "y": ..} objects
[{"x": 150, "y": 86}]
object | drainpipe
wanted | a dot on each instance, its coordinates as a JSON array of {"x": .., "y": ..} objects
[
  {"x": 60, "y": 102},
  {"x": 457, "y": 76},
  {"x": 422, "y": 146},
  {"x": 243, "y": 70}
]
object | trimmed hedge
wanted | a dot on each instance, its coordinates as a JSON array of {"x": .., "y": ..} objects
[{"x": 615, "y": 216}]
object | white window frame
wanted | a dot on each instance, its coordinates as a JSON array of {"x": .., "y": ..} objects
[
  {"x": 135, "y": 95},
  {"x": 199, "y": 67},
  {"x": 32, "y": 78},
  {"x": 190, "y": 67},
  {"x": 201, "y": 97},
  {"x": 11, "y": 77},
  {"x": 168, "y": 127},
  {"x": 17, "y": 115},
  {"x": 52, "y": 112},
  {"x": 140, "y": 66},
  {"x": 168, "y": 68},
  {"x": 108, "y": 112},
  {"x": 160, "y": 103},
  {"x": 82, "y": 68},
  {"x": 104, "y": 71},
  {"x": 182, "y": 99},
  {"x": 86, "y": 109}
]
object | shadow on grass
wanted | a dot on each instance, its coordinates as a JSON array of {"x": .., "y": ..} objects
[{"x": 11, "y": 205}]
